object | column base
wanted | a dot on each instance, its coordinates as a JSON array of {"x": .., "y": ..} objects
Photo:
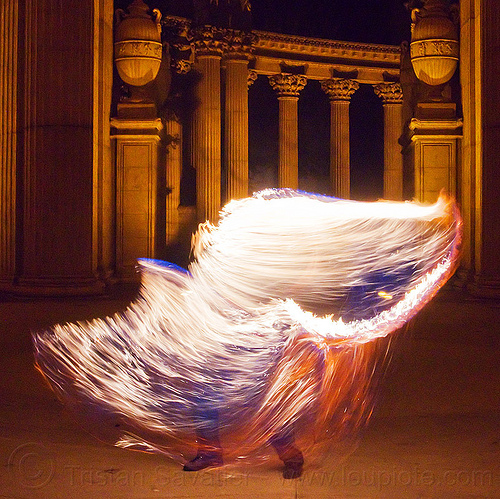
[
  {"x": 126, "y": 275},
  {"x": 136, "y": 110},
  {"x": 485, "y": 287},
  {"x": 436, "y": 110},
  {"x": 53, "y": 287}
]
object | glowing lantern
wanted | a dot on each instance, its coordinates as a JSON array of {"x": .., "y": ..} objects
[
  {"x": 138, "y": 48},
  {"x": 434, "y": 47}
]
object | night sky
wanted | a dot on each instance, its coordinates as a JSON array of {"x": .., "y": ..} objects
[{"x": 373, "y": 21}]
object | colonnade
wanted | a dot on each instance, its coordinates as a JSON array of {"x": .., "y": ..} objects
[{"x": 230, "y": 50}]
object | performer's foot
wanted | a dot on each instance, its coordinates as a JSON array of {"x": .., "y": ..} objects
[
  {"x": 293, "y": 465},
  {"x": 203, "y": 461}
]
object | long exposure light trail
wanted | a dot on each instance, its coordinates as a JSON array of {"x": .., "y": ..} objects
[{"x": 275, "y": 326}]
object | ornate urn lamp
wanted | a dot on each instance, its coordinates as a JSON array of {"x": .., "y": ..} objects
[
  {"x": 434, "y": 48},
  {"x": 138, "y": 48}
]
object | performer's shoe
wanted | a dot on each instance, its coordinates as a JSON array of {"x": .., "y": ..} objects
[
  {"x": 203, "y": 461},
  {"x": 293, "y": 465}
]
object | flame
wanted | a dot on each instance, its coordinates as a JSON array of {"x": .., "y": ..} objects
[{"x": 281, "y": 324}]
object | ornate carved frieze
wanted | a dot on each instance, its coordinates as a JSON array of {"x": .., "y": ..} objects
[
  {"x": 339, "y": 88},
  {"x": 252, "y": 76},
  {"x": 390, "y": 93},
  {"x": 278, "y": 42},
  {"x": 269, "y": 50},
  {"x": 429, "y": 48},
  {"x": 287, "y": 85},
  {"x": 138, "y": 48}
]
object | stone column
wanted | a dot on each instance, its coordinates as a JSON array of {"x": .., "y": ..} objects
[
  {"x": 104, "y": 171},
  {"x": 392, "y": 98},
  {"x": 236, "y": 113},
  {"x": 480, "y": 182},
  {"x": 206, "y": 133},
  {"x": 288, "y": 87},
  {"x": 173, "y": 172},
  {"x": 57, "y": 243},
  {"x": 8, "y": 138},
  {"x": 339, "y": 92}
]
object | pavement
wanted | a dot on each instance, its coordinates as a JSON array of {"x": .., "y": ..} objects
[{"x": 435, "y": 432}]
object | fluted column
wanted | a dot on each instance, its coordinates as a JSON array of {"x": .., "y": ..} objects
[
  {"x": 339, "y": 92},
  {"x": 236, "y": 113},
  {"x": 479, "y": 179},
  {"x": 392, "y": 97},
  {"x": 104, "y": 171},
  {"x": 288, "y": 87},
  {"x": 206, "y": 139},
  {"x": 173, "y": 171},
  {"x": 57, "y": 238},
  {"x": 8, "y": 136}
]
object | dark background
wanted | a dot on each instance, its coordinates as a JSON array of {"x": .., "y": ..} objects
[{"x": 372, "y": 21}]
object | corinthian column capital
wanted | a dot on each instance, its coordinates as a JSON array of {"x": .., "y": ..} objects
[
  {"x": 209, "y": 40},
  {"x": 252, "y": 77},
  {"x": 390, "y": 93},
  {"x": 239, "y": 44},
  {"x": 177, "y": 33},
  {"x": 181, "y": 66},
  {"x": 339, "y": 88},
  {"x": 287, "y": 85}
]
